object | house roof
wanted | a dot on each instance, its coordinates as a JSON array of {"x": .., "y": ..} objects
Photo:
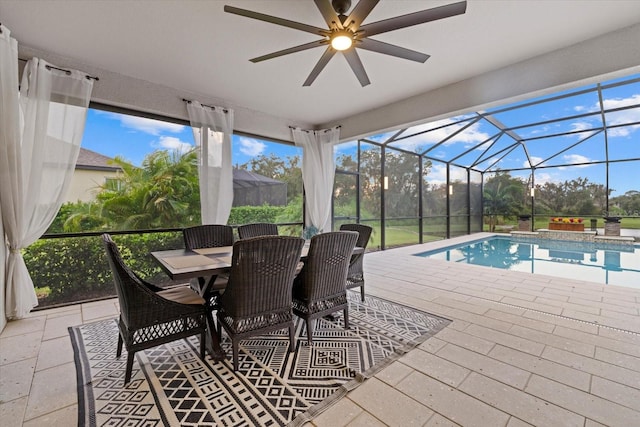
[{"x": 90, "y": 160}]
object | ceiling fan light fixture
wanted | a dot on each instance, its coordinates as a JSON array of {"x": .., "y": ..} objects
[
  {"x": 347, "y": 33},
  {"x": 341, "y": 40}
]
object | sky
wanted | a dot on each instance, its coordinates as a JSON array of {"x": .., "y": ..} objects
[{"x": 132, "y": 137}]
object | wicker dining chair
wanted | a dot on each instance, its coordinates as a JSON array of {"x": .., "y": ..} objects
[
  {"x": 258, "y": 296},
  {"x": 150, "y": 315},
  {"x": 248, "y": 231},
  {"x": 320, "y": 289},
  {"x": 355, "y": 276},
  {"x": 208, "y": 236}
]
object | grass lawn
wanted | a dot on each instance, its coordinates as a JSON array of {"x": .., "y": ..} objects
[{"x": 398, "y": 234}]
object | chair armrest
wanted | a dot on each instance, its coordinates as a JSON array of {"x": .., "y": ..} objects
[{"x": 148, "y": 285}]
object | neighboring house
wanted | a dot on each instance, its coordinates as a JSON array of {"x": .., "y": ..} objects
[{"x": 92, "y": 170}]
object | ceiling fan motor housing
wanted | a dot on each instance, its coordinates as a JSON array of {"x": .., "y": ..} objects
[{"x": 341, "y": 6}]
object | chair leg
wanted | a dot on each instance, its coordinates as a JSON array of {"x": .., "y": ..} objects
[
  {"x": 119, "y": 350},
  {"x": 309, "y": 330},
  {"x": 127, "y": 373},
  {"x": 203, "y": 339},
  {"x": 292, "y": 338},
  {"x": 362, "y": 293},
  {"x": 236, "y": 347},
  {"x": 346, "y": 318}
]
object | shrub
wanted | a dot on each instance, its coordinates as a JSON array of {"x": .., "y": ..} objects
[
  {"x": 249, "y": 214},
  {"x": 76, "y": 268}
]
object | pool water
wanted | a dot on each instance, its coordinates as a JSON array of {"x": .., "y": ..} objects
[{"x": 601, "y": 263}]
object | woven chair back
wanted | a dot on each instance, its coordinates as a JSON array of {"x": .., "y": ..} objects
[
  {"x": 133, "y": 296},
  {"x": 325, "y": 271},
  {"x": 262, "y": 272},
  {"x": 248, "y": 231},
  {"x": 355, "y": 273},
  {"x": 207, "y": 236},
  {"x": 364, "y": 233}
]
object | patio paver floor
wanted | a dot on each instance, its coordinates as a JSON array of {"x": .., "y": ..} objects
[{"x": 522, "y": 350}]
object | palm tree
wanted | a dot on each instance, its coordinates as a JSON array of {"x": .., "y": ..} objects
[
  {"x": 502, "y": 196},
  {"x": 163, "y": 192}
]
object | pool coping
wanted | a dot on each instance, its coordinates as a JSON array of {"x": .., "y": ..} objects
[{"x": 574, "y": 236}]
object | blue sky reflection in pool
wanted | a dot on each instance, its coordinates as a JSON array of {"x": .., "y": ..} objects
[{"x": 605, "y": 264}]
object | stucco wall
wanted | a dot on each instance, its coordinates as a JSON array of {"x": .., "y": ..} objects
[{"x": 84, "y": 184}]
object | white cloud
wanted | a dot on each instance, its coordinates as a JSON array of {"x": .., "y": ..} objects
[
  {"x": 471, "y": 135},
  {"x": 142, "y": 124},
  {"x": 153, "y": 127},
  {"x": 251, "y": 147},
  {"x": 576, "y": 158},
  {"x": 621, "y": 102},
  {"x": 535, "y": 160},
  {"x": 631, "y": 115},
  {"x": 438, "y": 174},
  {"x": 542, "y": 178},
  {"x": 622, "y": 131},
  {"x": 173, "y": 144},
  {"x": 580, "y": 126}
]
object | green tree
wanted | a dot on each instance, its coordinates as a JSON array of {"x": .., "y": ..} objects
[
  {"x": 163, "y": 192},
  {"x": 502, "y": 196},
  {"x": 627, "y": 204},
  {"x": 345, "y": 190},
  {"x": 286, "y": 169},
  {"x": 578, "y": 196},
  {"x": 370, "y": 184}
]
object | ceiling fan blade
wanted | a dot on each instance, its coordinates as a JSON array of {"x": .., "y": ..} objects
[
  {"x": 329, "y": 15},
  {"x": 356, "y": 65},
  {"x": 300, "y": 48},
  {"x": 324, "y": 60},
  {"x": 415, "y": 18},
  {"x": 360, "y": 13},
  {"x": 391, "y": 49},
  {"x": 278, "y": 21}
]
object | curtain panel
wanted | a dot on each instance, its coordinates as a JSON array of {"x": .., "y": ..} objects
[
  {"x": 318, "y": 172},
  {"x": 9, "y": 131},
  {"x": 212, "y": 130},
  {"x": 38, "y": 152}
]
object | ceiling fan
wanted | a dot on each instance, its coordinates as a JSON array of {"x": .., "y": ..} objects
[{"x": 346, "y": 33}]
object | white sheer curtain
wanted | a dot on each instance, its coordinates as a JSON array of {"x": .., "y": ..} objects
[
  {"x": 37, "y": 160},
  {"x": 212, "y": 130},
  {"x": 318, "y": 171},
  {"x": 9, "y": 130}
]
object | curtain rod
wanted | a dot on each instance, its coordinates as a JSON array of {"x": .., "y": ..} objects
[
  {"x": 311, "y": 130},
  {"x": 68, "y": 72},
  {"x": 224, "y": 110}
]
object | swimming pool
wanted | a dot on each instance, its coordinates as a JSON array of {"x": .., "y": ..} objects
[{"x": 593, "y": 262}]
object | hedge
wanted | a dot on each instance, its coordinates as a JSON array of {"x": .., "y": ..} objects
[{"x": 76, "y": 268}]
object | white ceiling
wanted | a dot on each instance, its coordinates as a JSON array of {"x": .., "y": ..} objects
[{"x": 195, "y": 47}]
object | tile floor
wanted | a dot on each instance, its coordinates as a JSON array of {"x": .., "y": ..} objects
[{"x": 522, "y": 350}]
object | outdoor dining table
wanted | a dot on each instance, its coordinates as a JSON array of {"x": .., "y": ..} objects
[{"x": 207, "y": 263}]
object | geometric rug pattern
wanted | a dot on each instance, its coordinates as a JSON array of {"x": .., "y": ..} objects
[{"x": 172, "y": 386}]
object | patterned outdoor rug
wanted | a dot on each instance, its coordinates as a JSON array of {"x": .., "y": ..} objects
[{"x": 171, "y": 386}]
